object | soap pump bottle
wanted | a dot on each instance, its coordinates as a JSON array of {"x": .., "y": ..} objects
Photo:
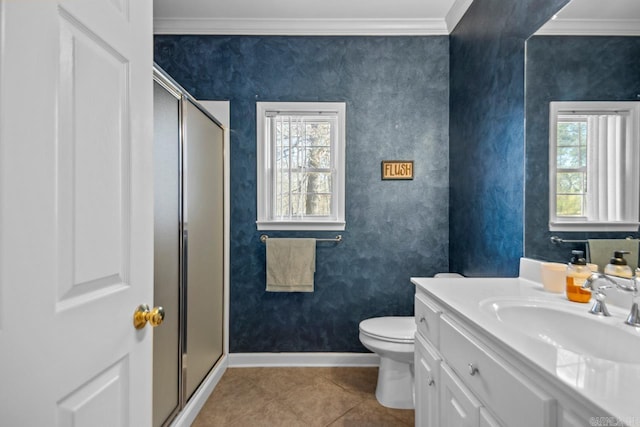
[
  {"x": 577, "y": 273},
  {"x": 618, "y": 266}
]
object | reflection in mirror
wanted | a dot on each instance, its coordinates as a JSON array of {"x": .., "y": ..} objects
[
  {"x": 593, "y": 166},
  {"x": 588, "y": 53}
]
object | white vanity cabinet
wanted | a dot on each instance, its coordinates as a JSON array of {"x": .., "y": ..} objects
[
  {"x": 500, "y": 351},
  {"x": 460, "y": 381}
]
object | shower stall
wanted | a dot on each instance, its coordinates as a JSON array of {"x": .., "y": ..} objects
[{"x": 189, "y": 259}]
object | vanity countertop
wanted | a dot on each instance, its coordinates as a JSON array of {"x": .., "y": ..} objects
[{"x": 609, "y": 384}]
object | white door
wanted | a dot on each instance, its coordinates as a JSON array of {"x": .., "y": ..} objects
[{"x": 76, "y": 212}]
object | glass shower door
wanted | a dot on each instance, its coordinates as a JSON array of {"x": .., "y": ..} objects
[
  {"x": 167, "y": 241},
  {"x": 204, "y": 226}
]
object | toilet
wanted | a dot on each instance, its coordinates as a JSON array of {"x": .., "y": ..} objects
[{"x": 392, "y": 338}]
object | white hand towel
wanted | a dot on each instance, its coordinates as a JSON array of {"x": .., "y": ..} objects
[{"x": 291, "y": 264}]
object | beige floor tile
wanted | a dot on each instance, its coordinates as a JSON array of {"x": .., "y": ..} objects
[
  {"x": 405, "y": 415},
  {"x": 358, "y": 380},
  {"x": 369, "y": 414},
  {"x": 273, "y": 414},
  {"x": 278, "y": 381},
  {"x": 230, "y": 400},
  {"x": 299, "y": 397},
  {"x": 321, "y": 403}
]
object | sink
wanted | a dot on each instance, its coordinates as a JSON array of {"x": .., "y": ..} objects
[{"x": 568, "y": 327}]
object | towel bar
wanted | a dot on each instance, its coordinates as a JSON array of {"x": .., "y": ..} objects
[
  {"x": 556, "y": 239},
  {"x": 338, "y": 238}
]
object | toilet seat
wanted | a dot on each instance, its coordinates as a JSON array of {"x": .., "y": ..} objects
[{"x": 390, "y": 329}]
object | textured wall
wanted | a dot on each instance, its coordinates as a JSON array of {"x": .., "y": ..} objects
[
  {"x": 486, "y": 136},
  {"x": 396, "y": 91},
  {"x": 568, "y": 69}
]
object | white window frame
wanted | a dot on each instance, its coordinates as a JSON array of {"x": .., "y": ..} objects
[
  {"x": 265, "y": 177},
  {"x": 632, "y": 189}
]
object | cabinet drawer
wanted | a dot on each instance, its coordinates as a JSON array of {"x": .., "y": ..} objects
[
  {"x": 513, "y": 398},
  {"x": 427, "y": 319}
]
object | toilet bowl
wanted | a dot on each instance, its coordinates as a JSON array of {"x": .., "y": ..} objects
[{"x": 392, "y": 338}]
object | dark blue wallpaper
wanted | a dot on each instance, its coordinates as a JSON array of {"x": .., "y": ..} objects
[
  {"x": 397, "y": 94},
  {"x": 568, "y": 69},
  {"x": 486, "y": 135}
]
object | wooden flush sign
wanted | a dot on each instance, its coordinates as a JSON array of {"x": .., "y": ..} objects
[{"x": 397, "y": 169}]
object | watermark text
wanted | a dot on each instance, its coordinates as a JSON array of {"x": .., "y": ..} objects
[{"x": 614, "y": 421}]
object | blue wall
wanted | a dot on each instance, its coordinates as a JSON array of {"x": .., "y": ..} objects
[
  {"x": 397, "y": 95},
  {"x": 568, "y": 69},
  {"x": 486, "y": 136}
]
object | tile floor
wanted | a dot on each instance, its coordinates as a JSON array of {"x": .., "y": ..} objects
[{"x": 305, "y": 397}]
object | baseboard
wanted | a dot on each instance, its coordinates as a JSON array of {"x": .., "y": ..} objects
[
  {"x": 191, "y": 410},
  {"x": 247, "y": 360}
]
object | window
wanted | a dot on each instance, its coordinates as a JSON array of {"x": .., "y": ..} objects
[
  {"x": 301, "y": 165},
  {"x": 571, "y": 166},
  {"x": 594, "y": 157}
]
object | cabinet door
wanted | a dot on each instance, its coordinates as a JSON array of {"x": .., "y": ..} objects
[
  {"x": 427, "y": 362},
  {"x": 458, "y": 407},
  {"x": 570, "y": 419},
  {"x": 487, "y": 420}
]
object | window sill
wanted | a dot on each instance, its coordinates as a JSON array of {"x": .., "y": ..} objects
[
  {"x": 593, "y": 226},
  {"x": 301, "y": 226}
]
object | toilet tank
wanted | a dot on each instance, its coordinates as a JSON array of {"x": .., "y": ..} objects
[{"x": 448, "y": 275}]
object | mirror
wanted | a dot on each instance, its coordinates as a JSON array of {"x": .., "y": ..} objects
[
  {"x": 593, "y": 165},
  {"x": 587, "y": 52}
]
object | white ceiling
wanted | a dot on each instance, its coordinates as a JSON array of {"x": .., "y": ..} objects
[
  {"x": 371, "y": 17},
  {"x": 308, "y": 17},
  {"x": 595, "y": 17}
]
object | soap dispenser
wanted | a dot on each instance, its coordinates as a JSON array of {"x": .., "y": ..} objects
[
  {"x": 577, "y": 273},
  {"x": 618, "y": 266}
]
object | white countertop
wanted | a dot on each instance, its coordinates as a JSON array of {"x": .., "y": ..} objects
[{"x": 612, "y": 387}]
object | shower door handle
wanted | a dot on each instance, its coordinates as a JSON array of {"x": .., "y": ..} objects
[{"x": 143, "y": 314}]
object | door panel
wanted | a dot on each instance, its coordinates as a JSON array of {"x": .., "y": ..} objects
[
  {"x": 76, "y": 212},
  {"x": 105, "y": 394},
  {"x": 204, "y": 222},
  {"x": 93, "y": 166}
]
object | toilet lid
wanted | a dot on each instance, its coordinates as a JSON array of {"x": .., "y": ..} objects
[{"x": 390, "y": 328}]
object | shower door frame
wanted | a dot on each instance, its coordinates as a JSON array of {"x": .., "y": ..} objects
[{"x": 183, "y": 97}]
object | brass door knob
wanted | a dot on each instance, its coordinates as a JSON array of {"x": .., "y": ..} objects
[{"x": 143, "y": 314}]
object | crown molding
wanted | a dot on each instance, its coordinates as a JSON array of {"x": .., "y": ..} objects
[
  {"x": 590, "y": 27},
  {"x": 455, "y": 14},
  {"x": 304, "y": 27}
]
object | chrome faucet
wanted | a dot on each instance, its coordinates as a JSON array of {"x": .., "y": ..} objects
[
  {"x": 599, "y": 307},
  {"x": 627, "y": 285},
  {"x": 634, "y": 315}
]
